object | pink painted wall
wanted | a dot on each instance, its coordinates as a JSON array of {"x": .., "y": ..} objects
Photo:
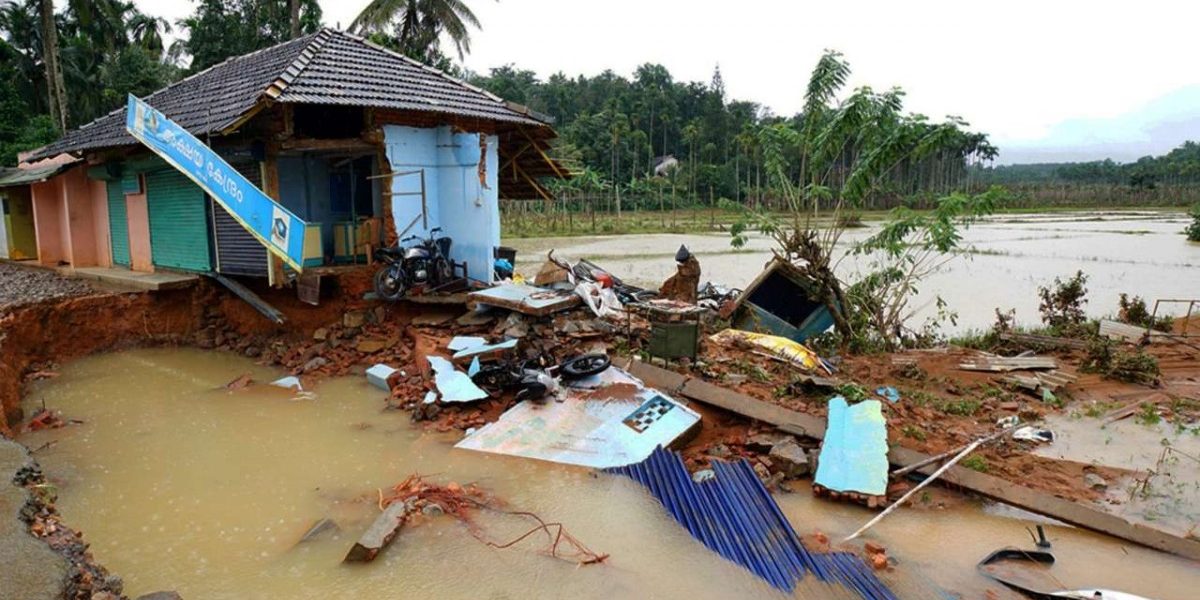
[
  {"x": 80, "y": 218},
  {"x": 139, "y": 232},
  {"x": 70, "y": 214},
  {"x": 48, "y": 221},
  {"x": 100, "y": 222}
]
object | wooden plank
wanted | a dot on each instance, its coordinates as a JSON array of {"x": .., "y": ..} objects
[
  {"x": 982, "y": 484},
  {"x": 379, "y": 534}
]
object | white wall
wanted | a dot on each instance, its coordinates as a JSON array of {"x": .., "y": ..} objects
[
  {"x": 467, "y": 210},
  {"x": 3, "y": 227}
]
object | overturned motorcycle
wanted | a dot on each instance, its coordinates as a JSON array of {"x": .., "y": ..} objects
[{"x": 532, "y": 382}]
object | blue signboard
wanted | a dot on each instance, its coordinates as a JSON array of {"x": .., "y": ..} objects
[{"x": 273, "y": 225}]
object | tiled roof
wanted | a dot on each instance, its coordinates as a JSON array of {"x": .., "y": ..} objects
[{"x": 327, "y": 67}]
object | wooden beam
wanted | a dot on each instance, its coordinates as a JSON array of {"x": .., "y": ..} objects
[
  {"x": 549, "y": 161},
  {"x": 988, "y": 486},
  {"x": 545, "y": 195},
  {"x": 319, "y": 144},
  {"x": 512, "y": 159}
]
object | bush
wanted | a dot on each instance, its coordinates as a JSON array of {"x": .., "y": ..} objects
[
  {"x": 1062, "y": 304},
  {"x": 1193, "y": 230},
  {"x": 1133, "y": 311},
  {"x": 1104, "y": 357}
]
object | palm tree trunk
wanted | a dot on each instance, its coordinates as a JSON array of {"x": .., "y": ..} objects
[
  {"x": 55, "y": 92},
  {"x": 294, "y": 6}
]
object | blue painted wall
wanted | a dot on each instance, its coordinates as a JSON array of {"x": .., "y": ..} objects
[{"x": 466, "y": 209}]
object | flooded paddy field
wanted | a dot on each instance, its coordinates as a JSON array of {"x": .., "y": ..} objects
[
  {"x": 1009, "y": 256},
  {"x": 181, "y": 484}
]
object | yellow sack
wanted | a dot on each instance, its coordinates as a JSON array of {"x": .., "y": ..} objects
[{"x": 790, "y": 350}]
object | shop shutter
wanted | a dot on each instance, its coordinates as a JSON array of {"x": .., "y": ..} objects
[
  {"x": 118, "y": 223},
  {"x": 238, "y": 252},
  {"x": 178, "y": 222}
]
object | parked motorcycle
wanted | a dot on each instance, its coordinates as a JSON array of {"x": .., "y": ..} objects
[{"x": 426, "y": 263}]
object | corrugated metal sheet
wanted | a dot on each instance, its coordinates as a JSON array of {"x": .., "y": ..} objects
[
  {"x": 178, "y": 222},
  {"x": 735, "y": 516},
  {"x": 12, "y": 176},
  {"x": 237, "y": 251},
  {"x": 118, "y": 224}
]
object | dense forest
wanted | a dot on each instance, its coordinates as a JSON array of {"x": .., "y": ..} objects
[{"x": 71, "y": 65}]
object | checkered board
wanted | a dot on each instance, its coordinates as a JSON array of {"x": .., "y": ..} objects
[{"x": 648, "y": 413}]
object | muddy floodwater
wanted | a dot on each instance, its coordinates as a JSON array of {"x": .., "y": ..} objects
[
  {"x": 179, "y": 484},
  {"x": 1140, "y": 253}
]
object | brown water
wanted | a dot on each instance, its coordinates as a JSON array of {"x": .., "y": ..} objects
[
  {"x": 1141, "y": 253},
  {"x": 180, "y": 484}
]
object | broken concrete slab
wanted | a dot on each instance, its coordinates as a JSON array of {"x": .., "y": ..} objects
[
  {"x": 463, "y": 342},
  {"x": 854, "y": 453},
  {"x": 483, "y": 352},
  {"x": 453, "y": 385},
  {"x": 790, "y": 459},
  {"x": 378, "y": 376},
  {"x": 381, "y": 533},
  {"x": 598, "y": 430},
  {"x": 526, "y": 299}
]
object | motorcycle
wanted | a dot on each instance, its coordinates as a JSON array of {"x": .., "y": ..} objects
[
  {"x": 531, "y": 380},
  {"x": 426, "y": 263}
]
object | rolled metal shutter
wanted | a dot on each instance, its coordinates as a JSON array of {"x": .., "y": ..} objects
[
  {"x": 178, "y": 222},
  {"x": 118, "y": 223},
  {"x": 238, "y": 252}
]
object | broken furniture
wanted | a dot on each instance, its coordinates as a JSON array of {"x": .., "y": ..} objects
[{"x": 780, "y": 303}]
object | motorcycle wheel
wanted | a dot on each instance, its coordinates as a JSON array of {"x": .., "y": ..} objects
[
  {"x": 584, "y": 366},
  {"x": 389, "y": 283},
  {"x": 442, "y": 272}
]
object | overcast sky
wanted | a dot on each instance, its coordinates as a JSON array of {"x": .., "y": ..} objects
[{"x": 1013, "y": 69}]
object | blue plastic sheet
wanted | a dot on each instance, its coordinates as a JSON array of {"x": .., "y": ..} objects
[{"x": 854, "y": 452}]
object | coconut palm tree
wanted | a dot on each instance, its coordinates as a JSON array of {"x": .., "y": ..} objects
[
  {"x": 419, "y": 23},
  {"x": 56, "y": 93}
]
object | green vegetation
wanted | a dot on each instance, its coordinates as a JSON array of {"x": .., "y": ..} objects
[
  {"x": 1193, "y": 229},
  {"x": 1062, "y": 304},
  {"x": 975, "y": 462},
  {"x": 913, "y": 432},
  {"x": 1134, "y": 312},
  {"x": 1115, "y": 362},
  {"x": 1170, "y": 179},
  {"x": 1148, "y": 414}
]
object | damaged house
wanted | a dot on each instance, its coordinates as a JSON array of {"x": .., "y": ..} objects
[{"x": 366, "y": 146}]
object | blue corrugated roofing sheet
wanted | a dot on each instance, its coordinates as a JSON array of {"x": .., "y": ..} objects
[{"x": 734, "y": 515}]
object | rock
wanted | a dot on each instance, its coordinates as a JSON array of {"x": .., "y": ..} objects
[
  {"x": 1095, "y": 481},
  {"x": 320, "y": 334},
  {"x": 380, "y": 314},
  {"x": 432, "y": 510},
  {"x": 314, "y": 364},
  {"x": 873, "y": 548},
  {"x": 252, "y": 351},
  {"x": 763, "y": 442},
  {"x": 790, "y": 459},
  {"x": 719, "y": 451},
  {"x": 159, "y": 596},
  {"x": 105, "y": 596},
  {"x": 735, "y": 378},
  {"x": 1010, "y": 406},
  {"x": 354, "y": 319},
  {"x": 703, "y": 475},
  {"x": 763, "y": 474},
  {"x": 370, "y": 346}
]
